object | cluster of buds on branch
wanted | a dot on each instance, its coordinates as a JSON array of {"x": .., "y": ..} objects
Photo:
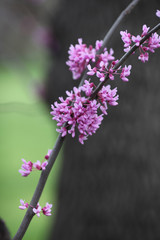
[
  {"x": 80, "y": 109},
  {"x": 46, "y": 210},
  {"x": 148, "y": 46},
  {"x": 27, "y": 168},
  {"x": 85, "y": 106}
]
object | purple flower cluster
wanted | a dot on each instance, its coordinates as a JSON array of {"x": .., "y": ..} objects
[
  {"x": 80, "y": 55},
  {"x": 78, "y": 110},
  {"x": 27, "y": 167},
  {"x": 46, "y": 210},
  {"x": 149, "y": 45},
  {"x": 84, "y": 107},
  {"x": 102, "y": 71},
  {"x": 158, "y": 13}
]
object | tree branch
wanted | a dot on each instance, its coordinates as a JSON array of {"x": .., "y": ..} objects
[
  {"x": 123, "y": 59},
  {"x": 123, "y": 14},
  {"x": 39, "y": 189},
  {"x": 44, "y": 175},
  {"x": 108, "y": 35}
]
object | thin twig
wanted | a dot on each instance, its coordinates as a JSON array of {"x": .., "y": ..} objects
[
  {"x": 108, "y": 35},
  {"x": 123, "y": 59},
  {"x": 43, "y": 178},
  {"x": 123, "y": 14},
  {"x": 39, "y": 189},
  {"x": 44, "y": 175}
]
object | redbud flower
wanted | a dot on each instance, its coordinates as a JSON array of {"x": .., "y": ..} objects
[
  {"x": 145, "y": 30},
  {"x": 48, "y": 154},
  {"x": 158, "y": 13},
  {"x": 81, "y": 114},
  {"x": 136, "y": 39},
  {"x": 37, "y": 210},
  {"x": 150, "y": 44},
  {"x": 107, "y": 95},
  {"x": 105, "y": 57},
  {"x": 23, "y": 205},
  {"x": 26, "y": 168},
  {"x": 126, "y": 38},
  {"x": 87, "y": 87},
  {"x": 78, "y": 111},
  {"x": 91, "y": 71},
  {"x": 101, "y": 76},
  {"x": 125, "y": 73},
  {"x": 98, "y": 44},
  {"x": 111, "y": 72},
  {"x": 153, "y": 42},
  {"x": 79, "y": 57},
  {"x": 143, "y": 57},
  {"x": 47, "y": 209},
  {"x": 40, "y": 166}
]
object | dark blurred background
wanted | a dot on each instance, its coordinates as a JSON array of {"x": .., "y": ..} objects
[
  {"x": 27, "y": 130},
  {"x": 109, "y": 188}
]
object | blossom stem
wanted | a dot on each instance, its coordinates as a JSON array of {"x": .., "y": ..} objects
[
  {"x": 59, "y": 142},
  {"x": 44, "y": 175},
  {"x": 123, "y": 14},
  {"x": 39, "y": 189},
  {"x": 108, "y": 35},
  {"x": 123, "y": 59}
]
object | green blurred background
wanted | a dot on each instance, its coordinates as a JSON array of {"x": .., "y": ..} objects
[{"x": 27, "y": 130}]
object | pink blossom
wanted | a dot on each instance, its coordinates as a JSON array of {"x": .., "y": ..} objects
[
  {"x": 125, "y": 73},
  {"x": 47, "y": 209},
  {"x": 101, "y": 68},
  {"x": 87, "y": 87},
  {"x": 153, "y": 42},
  {"x": 81, "y": 113},
  {"x": 105, "y": 57},
  {"x": 37, "y": 210},
  {"x": 107, "y": 95},
  {"x": 79, "y": 57},
  {"x": 101, "y": 76},
  {"x": 37, "y": 165},
  {"x": 111, "y": 72},
  {"x": 40, "y": 166},
  {"x": 145, "y": 30},
  {"x": 136, "y": 39},
  {"x": 62, "y": 130},
  {"x": 89, "y": 121},
  {"x": 158, "y": 13},
  {"x": 23, "y": 205},
  {"x": 98, "y": 44},
  {"x": 150, "y": 44},
  {"x": 48, "y": 154},
  {"x": 127, "y": 49},
  {"x": 82, "y": 138},
  {"x": 91, "y": 71},
  {"x": 26, "y": 168},
  {"x": 44, "y": 164},
  {"x": 143, "y": 57},
  {"x": 126, "y": 38}
]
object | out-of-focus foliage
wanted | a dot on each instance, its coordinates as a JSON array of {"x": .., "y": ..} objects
[
  {"x": 27, "y": 130},
  {"x": 24, "y": 27}
]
